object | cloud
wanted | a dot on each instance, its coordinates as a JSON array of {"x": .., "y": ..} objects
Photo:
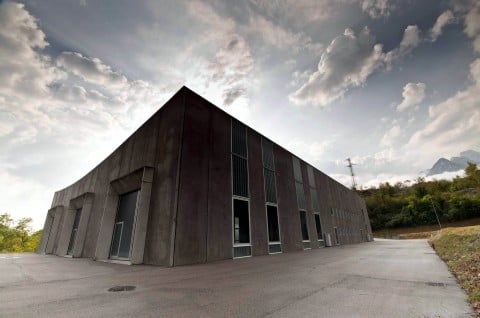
[
  {"x": 298, "y": 11},
  {"x": 449, "y": 175},
  {"x": 476, "y": 44},
  {"x": 225, "y": 77},
  {"x": 377, "y": 8},
  {"x": 413, "y": 94},
  {"x": 312, "y": 152},
  {"x": 15, "y": 203},
  {"x": 472, "y": 26},
  {"x": 229, "y": 96},
  {"x": 390, "y": 136},
  {"x": 346, "y": 62},
  {"x": 24, "y": 72},
  {"x": 45, "y": 106},
  {"x": 207, "y": 15},
  {"x": 91, "y": 70},
  {"x": 411, "y": 38},
  {"x": 453, "y": 124},
  {"x": 443, "y": 20},
  {"x": 472, "y": 21},
  {"x": 231, "y": 67},
  {"x": 280, "y": 37}
]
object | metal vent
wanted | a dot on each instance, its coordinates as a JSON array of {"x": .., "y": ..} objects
[
  {"x": 267, "y": 151},
  {"x": 240, "y": 176},
  {"x": 242, "y": 251},
  {"x": 311, "y": 176},
  {"x": 270, "y": 190},
  {"x": 314, "y": 195},
  {"x": 275, "y": 248},
  {"x": 300, "y": 195},
  {"x": 297, "y": 171},
  {"x": 239, "y": 139}
]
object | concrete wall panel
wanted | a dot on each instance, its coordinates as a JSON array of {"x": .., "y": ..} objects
[
  {"x": 258, "y": 218},
  {"x": 219, "y": 229},
  {"x": 167, "y": 133},
  {"x": 312, "y": 230},
  {"x": 288, "y": 213},
  {"x": 191, "y": 226}
]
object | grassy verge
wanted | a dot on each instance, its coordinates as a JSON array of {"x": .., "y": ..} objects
[
  {"x": 423, "y": 231},
  {"x": 460, "y": 250}
]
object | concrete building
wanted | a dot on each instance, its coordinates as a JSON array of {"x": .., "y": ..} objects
[{"x": 195, "y": 185}]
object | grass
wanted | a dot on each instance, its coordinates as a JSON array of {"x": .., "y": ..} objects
[
  {"x": 459, "y": 248},
  {"x": 423, "y": 231}
]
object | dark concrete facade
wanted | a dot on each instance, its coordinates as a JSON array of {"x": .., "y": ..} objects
[{"x": 180, "y": 162}]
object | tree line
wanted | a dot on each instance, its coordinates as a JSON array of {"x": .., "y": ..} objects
[
  {"x": 404, "y": 205},
  {"x": 17, "y": 237}
]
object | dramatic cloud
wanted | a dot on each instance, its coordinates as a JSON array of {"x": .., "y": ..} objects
[
  {"x": 227, "y": 74},
  {"x": 443, "y": 20},
  {"x": 413, "y": 94},
  {"x": 377, "y": 8},
  {"x": 346, "y": 62},
  {"x": 91, "y": 70},
  {"x": 24, "y": 72},
  {"x": 231, "y": 66},
  {"x": 453, "y": 123},
  {"x": 44, "y": 110},
  {"x": 390, "y": 135}
]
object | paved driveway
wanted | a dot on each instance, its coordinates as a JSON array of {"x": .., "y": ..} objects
[{"x": 380, "y": 279}]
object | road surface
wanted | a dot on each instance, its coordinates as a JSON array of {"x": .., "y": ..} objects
[{"x": 385, "y": 278}]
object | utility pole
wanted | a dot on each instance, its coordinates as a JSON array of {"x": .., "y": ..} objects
[
  {"x": 350, "y": 165},
  {"x": 434, "y": 210}
]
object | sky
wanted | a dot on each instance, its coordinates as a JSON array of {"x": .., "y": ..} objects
[{"x": 393, "y": 85}]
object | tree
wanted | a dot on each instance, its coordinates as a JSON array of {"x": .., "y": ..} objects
[
  {"x": 473, "y": 174},
  {"x": 17, "y": 238},
  {"x": 400, "y": 206}
]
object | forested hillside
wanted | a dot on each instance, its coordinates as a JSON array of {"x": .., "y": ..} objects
[
  {"x": 400, "y": 205},
  {"x": 17, "y": 237}
]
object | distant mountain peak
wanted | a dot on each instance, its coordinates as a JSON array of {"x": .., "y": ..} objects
[{"x": 455, "y": 163}]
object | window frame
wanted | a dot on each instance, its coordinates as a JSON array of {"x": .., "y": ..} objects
[
  {"x": 279, "y": 231},
  {"x": 249, "y": 228},
  {"x": 301, "y": 228}
]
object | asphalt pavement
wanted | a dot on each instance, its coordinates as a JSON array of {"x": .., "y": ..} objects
[{"x": 385, "y": 278}]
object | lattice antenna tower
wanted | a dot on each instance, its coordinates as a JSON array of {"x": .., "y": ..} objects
[{"x": 350, "y": 165}]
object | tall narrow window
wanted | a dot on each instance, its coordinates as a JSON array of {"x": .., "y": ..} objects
[
  {"x": 302, "y": 204},
  {"x": 123, "y": 228},
  {"x": 336, "y": 236},
  {"x": 274, "y": 245},
  {"x": 318, "y": 226},
  {"x": 304, "y": 227},
  {"x": 73, "y": 236},
  {"x": 240, "y": 193},
  {"x": 241, "y": 228}
]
